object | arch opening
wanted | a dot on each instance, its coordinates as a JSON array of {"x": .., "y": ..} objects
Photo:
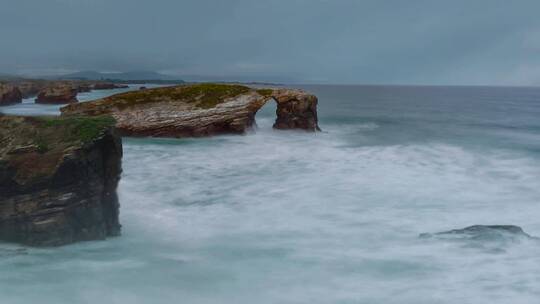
[{"x": 265, "y": 117}]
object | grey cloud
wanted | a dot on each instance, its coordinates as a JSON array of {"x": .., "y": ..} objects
[{"x": 340, "y": 41}]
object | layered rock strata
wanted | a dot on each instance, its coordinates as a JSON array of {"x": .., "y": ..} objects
[{"x": 58, "y": 179}]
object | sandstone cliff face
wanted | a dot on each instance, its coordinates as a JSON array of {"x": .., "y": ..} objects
[
  {"x": 200, "y": 110},
  {"x": 58, "y": 180},
  {"x": 58, "y": 94},
  {"x": 9, "y": 94}
]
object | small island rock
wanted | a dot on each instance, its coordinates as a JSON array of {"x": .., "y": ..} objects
[{"x": 57, "y": 94}]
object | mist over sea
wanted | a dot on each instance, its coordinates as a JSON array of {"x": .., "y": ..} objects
[{"x": 333, "y": 217}]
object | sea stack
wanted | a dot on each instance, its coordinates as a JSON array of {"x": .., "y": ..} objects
[
  {"x": 9, "y": 94},
  {"x": 58, "y": 179},
  {"x": 200, "y": 110},
  {"x": 58, "y": 94}
]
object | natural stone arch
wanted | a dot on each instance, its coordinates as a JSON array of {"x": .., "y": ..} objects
[{"x": 200, "y": 110}]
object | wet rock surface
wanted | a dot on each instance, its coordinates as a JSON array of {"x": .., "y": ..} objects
[
  {"x": 490, "y": 238},
  {"x": 58, "y": 180},
  {"x": 200, "y": 110},
  {"x": 482, "y": 232}
]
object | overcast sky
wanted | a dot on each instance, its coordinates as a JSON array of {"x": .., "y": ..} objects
[{"x": 310, "y": 41}]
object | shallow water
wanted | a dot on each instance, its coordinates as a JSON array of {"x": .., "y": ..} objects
[{"x": 332, "y": 217}]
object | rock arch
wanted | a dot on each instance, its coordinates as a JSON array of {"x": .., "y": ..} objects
[{"x": 200, "y": 110}]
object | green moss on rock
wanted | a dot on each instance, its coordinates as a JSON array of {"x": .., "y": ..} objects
[
  {"x": 35, "y": 145},
  {"x": 202, "y": 96},
  {"x": 265, "y": 92},
  {"x": 81, "y": 128}
]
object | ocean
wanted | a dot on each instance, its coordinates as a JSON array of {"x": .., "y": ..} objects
[{"x": 331, "y": 217}]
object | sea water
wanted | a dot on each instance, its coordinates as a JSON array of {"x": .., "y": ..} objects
[{"x": 332, "y": 217}]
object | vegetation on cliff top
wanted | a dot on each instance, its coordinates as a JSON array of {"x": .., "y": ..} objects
[
  {"x": 84, "y": 129},
  {"x": 202, "y": 96},
  {"x": 50, "y": 133},
  {"x": 265, "y": 92},
  {"x": 35, "y": 145},
  {"x": 205, "y": 95}
]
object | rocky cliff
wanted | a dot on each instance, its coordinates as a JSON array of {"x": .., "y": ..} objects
[
  {"x": 9, "y": 94},
  {"x": 200, "y": 110},
  {"x": 58, "y": 179},
  {"x": 58, "y": 94}
]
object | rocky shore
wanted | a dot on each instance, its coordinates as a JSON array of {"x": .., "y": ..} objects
[
  {"x": 49, "y": 91},
  {"x": 58, "y": 179},
  {"x": 200, "y": 110}
]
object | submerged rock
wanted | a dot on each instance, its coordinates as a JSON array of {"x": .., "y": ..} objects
[
  {"x": 58, "y": 94},
  {"x": 492, "y": 239},
  {"x": 9, "y": 94},
  {"x": 200, "y": 110},
  {"x": 58, "y": 179},
  {"x": 482, "y": 232}
]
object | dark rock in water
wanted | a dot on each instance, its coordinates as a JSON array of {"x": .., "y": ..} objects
[
  {"x": 58, "y": 94},
  {"x": 58, "y": 179},
  {"x": 200, "y": 110},
  {"x": 480, "y": 230},
  {"x": 490, "y": 239},
  {"x": 295, "y": 110},
  {"x": 9, "y": 94},
  {"x": 142, "y": 88}
]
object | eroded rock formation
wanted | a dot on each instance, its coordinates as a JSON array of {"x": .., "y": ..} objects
[
  {"x": 200, "y": 110},
  {"x": 58, "y": 180},
  {"x": 9, "y": 94},
  {"x": 30, "y": 88},
  {"x": 295, "y": 110},
  {"x": 58, "y": 94}
]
